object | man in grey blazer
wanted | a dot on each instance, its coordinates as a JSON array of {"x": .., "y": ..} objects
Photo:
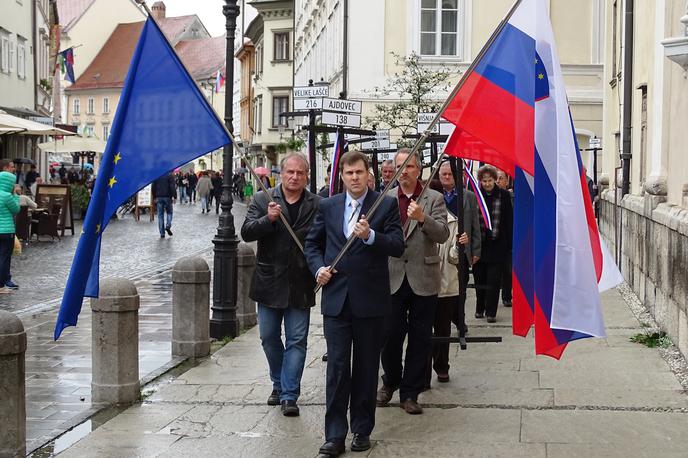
[
  {"x": 471, "y": 226},
  {"x": 414, "y": 283}
]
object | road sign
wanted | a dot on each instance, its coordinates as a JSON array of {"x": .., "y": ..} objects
[
  {"x": 376, "y": 144},
  {"x": 342, "y": 105},
  {"x": 381, "y": 134},
  {"x": 309, "y": 92},
  {"x": 442, "y": 127},
  {"x": 595, "y": 142},
  {"x": 308, "y": 104},
  {"x": 341, "y": 119}
]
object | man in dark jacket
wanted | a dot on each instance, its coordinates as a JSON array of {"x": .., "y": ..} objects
[
  {"x": 282, "y": 284},
  {"x": 164, "y": 192}
]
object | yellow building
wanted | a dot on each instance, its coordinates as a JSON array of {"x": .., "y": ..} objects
[{"x": 645, "y": 119}]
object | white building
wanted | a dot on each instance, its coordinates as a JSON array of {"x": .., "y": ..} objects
[{"x": 449, "y": 32}]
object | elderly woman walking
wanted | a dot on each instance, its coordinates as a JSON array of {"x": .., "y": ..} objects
[{"x": 496, "y": 244}]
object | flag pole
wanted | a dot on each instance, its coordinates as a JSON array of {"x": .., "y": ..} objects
[
  {"x": 426, "y": 133},
  {"x": 242, "y": 153}
]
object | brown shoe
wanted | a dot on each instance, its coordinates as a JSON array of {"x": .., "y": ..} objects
[
  {"x": 411, "y": 407},
  {"x": 384, "y": 395},
  {"x": 443, "y": 378}
]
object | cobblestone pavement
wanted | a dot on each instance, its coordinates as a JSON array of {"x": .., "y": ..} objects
[
  {"x": 606, "y": 397},
  {"x": 58, "y": 374},
  {"x": 129, "y": 249}
]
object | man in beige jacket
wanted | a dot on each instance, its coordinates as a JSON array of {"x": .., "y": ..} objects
[{"x": 415, "y": 281}]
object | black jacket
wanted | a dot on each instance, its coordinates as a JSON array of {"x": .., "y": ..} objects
[
  {"x": 281, "y": 278},
  {"x": 164, "y": 186},
  {"x": 497, "y": 250}
]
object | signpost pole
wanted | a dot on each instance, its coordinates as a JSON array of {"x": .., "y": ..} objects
[{"x": 311, "y": 146}]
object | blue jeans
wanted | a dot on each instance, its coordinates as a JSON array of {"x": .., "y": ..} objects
[
  {"x": 182, "y": 194},
  {"x": 164, "y": 206},
  {"x": 205, "y": 205},
  {"x": 286, "y": 360}
]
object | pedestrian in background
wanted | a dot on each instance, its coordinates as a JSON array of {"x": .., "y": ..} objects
[
  {"x": 282, "y": 284},
  {"x": 217, "y": 190},
  {"x": 9, "y": 206},
  {"x": 495, "y": 244},
  {"x": 182, "y": 185},
  {"x": 164, "y": 193},
  {"x": 204, "y": 187},
  {"x": 504, "y": 183},
  {"x": 193, "y": 181}
]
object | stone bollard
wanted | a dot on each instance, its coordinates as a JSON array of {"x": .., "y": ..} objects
[
  {"x": 246, "y": 264},
  {"x": 12, "y": 385},
  {"x": 115, "y": 342},
  {"x": 191, "y": 308}
]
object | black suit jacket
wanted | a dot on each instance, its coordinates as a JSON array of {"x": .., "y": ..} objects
[{"x": 362, "y": 274}]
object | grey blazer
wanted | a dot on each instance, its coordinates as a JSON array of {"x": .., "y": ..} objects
[{"x": 420, "y": 263}]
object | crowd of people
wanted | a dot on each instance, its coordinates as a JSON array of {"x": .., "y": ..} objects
[{"x": 406, "y": 274}]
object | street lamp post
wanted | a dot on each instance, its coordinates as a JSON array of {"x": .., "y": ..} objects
[{"x": 224, "y": 321}]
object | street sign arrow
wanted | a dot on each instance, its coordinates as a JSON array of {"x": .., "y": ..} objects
[{"x": 342, "y": 105}]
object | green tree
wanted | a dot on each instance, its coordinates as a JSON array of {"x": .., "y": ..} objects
[{"x": 416, "y": 88}]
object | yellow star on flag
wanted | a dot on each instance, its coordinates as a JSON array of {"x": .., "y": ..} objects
[
  {"x": 117, "y": 158},
  {"x": 112, "y": 182},
  {"x": 541, "y": 76}
]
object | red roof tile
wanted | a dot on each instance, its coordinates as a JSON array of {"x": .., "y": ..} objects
[{"x": 202, "y": 57}]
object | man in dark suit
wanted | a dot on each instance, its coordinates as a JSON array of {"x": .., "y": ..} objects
[{"x": 355, "y": 298}]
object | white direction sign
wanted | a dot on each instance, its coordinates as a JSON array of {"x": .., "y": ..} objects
[
  {"x": 341, "y": 119},
  {"x": 442, "y": 127},
  {"x": 308, "y": 104},
  {"x": 376, "y": 144},
  {"x": 309, "y": 92},
  {"x": 342, "y": 105},
  {"x": 595, "y": 142}
]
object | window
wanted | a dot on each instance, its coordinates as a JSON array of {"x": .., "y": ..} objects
[
  {"x": 259, "y": 59},
  {"x": 439, "y": 20},
  {"x": 258, "y": 114},
  {"x": 106, "y": 105},
  {"x": 4, "y": 52},
  {"x": 106, "y": 132},
  {"x": 90, "y": 106},
  {"x": 13, "y": 57},
  {"x": 77, "y": 106},
  {"x": 282, "y": 46},
  {"x": 279, "y": 105},
  {"x": 643, "y": 132},
  {"x": 88, "y": 130},
  {"x": 21, "y": 57}
]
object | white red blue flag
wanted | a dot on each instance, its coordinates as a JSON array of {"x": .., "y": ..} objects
[{"x": 512, "y": 112}]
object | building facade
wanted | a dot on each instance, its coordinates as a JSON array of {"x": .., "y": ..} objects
[
  {"x": 271, "y": 80},
  {"x": 648, "y": 227},
  {"x": 447, "y": 32}
]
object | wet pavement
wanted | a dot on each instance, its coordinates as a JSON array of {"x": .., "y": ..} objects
[
  {"x": 58, "y": 374},
  {"x": 606, "y": 397}
]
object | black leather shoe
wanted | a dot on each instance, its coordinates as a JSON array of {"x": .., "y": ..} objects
[
  {"x": 384, "y": 395},
  {"x": 360, "y": 443},
  {"x": 273, "y": 399},
  {"x": 289, "y": 408},
  {"x": 324, "y": 358},
  {"x": 412, "y": 407},
  {"x": 332, "y": 448},
  {"x": 169, "y": 231}
]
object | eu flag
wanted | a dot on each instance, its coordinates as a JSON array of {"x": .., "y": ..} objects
[{"x": 162, "y": 122}]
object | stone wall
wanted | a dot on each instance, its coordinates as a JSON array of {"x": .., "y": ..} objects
[{"x": 654, "y": 256}]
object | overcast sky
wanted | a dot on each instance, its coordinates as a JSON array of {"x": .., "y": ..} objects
[{"x": 210, "y": 12}]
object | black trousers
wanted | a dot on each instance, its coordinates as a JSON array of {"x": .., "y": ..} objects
[
  {"x": 506, "y": 280},
  {"x": 351, "y": 386},
  {"x": 413, "y": 315},
  {"x": 488, "y": 278},
  {"x": 6, "y": 248},
  {"x": 442, "y": 328}
]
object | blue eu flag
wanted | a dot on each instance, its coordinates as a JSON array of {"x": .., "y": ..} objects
[{"x": 162, "y": 122}]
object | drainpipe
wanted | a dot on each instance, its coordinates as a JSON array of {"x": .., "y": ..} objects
[{"x": 627, "y": 97}]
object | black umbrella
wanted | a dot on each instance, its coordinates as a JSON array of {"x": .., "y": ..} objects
[{"x": 23, "y": 160}]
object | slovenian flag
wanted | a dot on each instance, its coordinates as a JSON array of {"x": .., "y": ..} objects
[
  {"x": 512, "y": 112},
  {"x": 219, "y": 81}
]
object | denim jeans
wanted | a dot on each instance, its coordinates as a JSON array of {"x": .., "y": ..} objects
[
  {"x": 286, "y": 360},
  {"x": 164, "y": 207},
  {"x": 205, "y": 205},
  {"x": 6, "y": 248},
  {"x": 182, "y": 194}
]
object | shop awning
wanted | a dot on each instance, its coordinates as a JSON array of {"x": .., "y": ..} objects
[
  {"x": 15, "y": 125},
  {"x": 73, "y": 145}
]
